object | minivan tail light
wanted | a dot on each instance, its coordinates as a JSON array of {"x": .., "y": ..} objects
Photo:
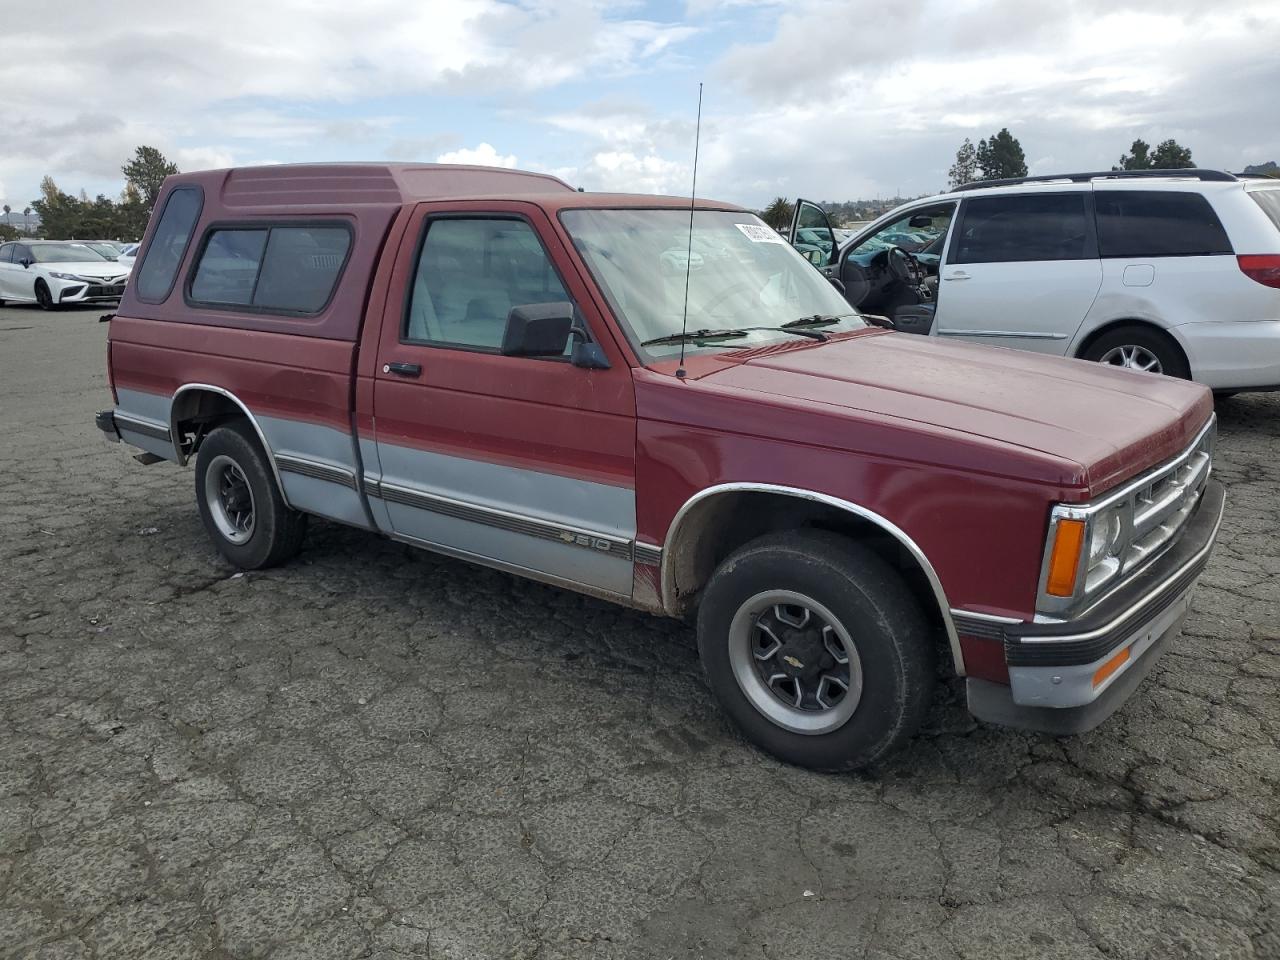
[{"x": 1264, "y": 268}]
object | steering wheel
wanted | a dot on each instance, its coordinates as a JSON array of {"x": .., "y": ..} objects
[{"x": 904, "y": 267}]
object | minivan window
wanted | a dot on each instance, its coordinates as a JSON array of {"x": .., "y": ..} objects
[
  {"x": 470, "y": 274},
  {"x": 1039, "y": 226},
  {"x": 1150, "y": 223},
  {"x": 158, "y": 269},
  {"x": 1269, "y": 201},
  {"x": 272, "y": 268}
]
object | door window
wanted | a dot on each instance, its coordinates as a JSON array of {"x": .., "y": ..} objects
[
  {"x": 470, "y": 273},
  {"x": 6, "y": 252},
  {"x": 1150, "y": 223},
  {"x": 922, "y": 232},
  {"x": 813, "y": 235},
  {"x": 1027, "y": 227}
]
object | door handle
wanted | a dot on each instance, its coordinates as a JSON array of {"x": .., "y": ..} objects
[
  {"x": 957, "y": 275},
  {"x": 403, "y": 369}
]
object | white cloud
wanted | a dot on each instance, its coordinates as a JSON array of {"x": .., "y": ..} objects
[
  {"x": 484, "y": 155},
  {"x": 187, "y": 76},
  {"x": 623, "y": 171}
]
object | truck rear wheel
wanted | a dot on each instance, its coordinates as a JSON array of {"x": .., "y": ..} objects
[
  {"x": 239, "y": 501},
  {"x": 816, "y": 649}
]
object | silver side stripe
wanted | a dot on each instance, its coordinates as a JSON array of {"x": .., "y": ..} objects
[
  {"x": 1015, "y": 334},
  {"x": 316, "y": 470},
  {"x": 148, "y": 428},
  {"x": 604, "y": 543},
  {"x": 647, "y": 554}
]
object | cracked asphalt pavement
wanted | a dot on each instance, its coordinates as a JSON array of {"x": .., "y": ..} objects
[{"x": 375, "y": 752}]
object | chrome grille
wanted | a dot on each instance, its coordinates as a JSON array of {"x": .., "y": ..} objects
[{"x": 1151, "y": 510}]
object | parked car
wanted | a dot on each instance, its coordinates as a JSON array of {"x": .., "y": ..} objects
[
  {"x": 127, "y": 255},
  {"x": 108, "y": 249},
  {"x": 1166, "y": 271},
  {"x": 491, "y": 365},
  {"x": 52, "y": 273}
]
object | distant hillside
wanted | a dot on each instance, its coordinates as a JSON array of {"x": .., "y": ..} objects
[{"x": 1268, "y": 169}]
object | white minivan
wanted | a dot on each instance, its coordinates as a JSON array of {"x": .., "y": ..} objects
[{"x": 1168, "y": 271}]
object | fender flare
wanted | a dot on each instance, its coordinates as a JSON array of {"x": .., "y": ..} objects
[
  {"x": 862, "y": 513},
  {"x": 253, "y": 421}
]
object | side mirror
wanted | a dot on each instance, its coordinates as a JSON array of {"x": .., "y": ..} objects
[
  {"x": 920, "y": 220},
  {"x": 538, "y": 330},
  {"x": 26, "y": 263}
]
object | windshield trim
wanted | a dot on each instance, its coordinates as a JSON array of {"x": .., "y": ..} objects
[{"x": 640, "y": 354}]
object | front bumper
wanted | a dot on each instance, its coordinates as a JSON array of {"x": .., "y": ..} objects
[
  {"x": 1068, "y": 677},
  {"x": 86, "y": 291}
]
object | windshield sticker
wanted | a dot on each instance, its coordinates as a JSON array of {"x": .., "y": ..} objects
[{"x": 758, "y": 233}]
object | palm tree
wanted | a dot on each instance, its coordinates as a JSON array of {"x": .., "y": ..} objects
[
  {"x": 7, "y": 208},
  {"x": 26, "y": 221}
]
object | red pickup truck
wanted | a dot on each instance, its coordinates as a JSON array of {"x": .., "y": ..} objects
[{"x": 670, "y": 408}]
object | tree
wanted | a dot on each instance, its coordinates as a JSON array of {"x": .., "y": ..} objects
[
  {"x": 1138, "y": 157},
  {"x": 779, "y": 213},
  {"x": 146, "y": 172},
  {"x": 1001, "y": 157},
  {"x": 8, "y": 233},
  {"x": 965, "y": 169},
  {"x": 1169, "y": 155},
  {"x": 60, "y": 213}
]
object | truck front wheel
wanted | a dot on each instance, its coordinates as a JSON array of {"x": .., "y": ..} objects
[
  {"x": 816, "y": 649},
  {"x": 240, "y": 503}
]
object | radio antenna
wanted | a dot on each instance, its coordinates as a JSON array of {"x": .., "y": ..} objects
[{"x": 688, "y": 260}]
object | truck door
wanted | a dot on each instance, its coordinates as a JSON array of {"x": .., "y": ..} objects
[
  {"x": 1021, "y": 270},
  {"x": 524, "y": 463}
]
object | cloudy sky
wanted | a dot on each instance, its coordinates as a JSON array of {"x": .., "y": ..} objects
[{"x": 823, "y": 98}]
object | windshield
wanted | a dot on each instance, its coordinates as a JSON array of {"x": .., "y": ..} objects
[
  {"x": 108, "y": 250},
  {"x": 742, "y": 276},
  {"x": 63, "y": 253}
]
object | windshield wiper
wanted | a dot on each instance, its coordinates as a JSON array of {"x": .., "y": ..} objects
[
  {"x": 816, "y": 320},
  {"x": 692, "y": 335}
]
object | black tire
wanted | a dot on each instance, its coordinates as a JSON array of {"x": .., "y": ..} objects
[
  {"x": 876, "y": 610},
  {"x": 1159, "y": 344},
  {"x": 275, "y": 532},
  {"x": 43, "y": 297}
]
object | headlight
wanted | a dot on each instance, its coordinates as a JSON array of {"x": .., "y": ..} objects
[
  {"x": 63, "y": 276},
  {"x": 1104, "y": 536}
]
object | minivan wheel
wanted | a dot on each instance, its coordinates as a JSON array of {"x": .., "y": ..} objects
[
  {"x": 43, "y": 297},
  {"x": 1140, "y": 348},
  {"x": 239, "y": 501},
  {"x": 816, "y": 649}
]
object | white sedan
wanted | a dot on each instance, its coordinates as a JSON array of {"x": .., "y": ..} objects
[{"x": 53, "y": 272}]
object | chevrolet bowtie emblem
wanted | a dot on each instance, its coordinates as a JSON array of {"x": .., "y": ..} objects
[{"x": 793, "y": 662}]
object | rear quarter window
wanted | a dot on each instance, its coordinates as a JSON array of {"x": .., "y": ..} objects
[
  {"x": 157, "y": 270},
  {"x": 1269, "y": 201},
  {"x": 1149, "y": 223},
  {"x": 289, "y": 269}
]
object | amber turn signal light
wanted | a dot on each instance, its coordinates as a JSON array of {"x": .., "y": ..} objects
[
  {"x": 1064, "y": 561},
  {"x": 1111, "y": 666}
]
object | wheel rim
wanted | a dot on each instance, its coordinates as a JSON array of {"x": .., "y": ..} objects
[
  {"x": 795, "y": 662},
  {"x": 1133, "y": 357},
  {"x": 43, "y": 296},
  {"x": 230, "y": 499}
]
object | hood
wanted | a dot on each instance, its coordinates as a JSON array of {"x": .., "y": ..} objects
[
  {"x": 1054, "y": 420},
  {"x": 96, "y": 269}
]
